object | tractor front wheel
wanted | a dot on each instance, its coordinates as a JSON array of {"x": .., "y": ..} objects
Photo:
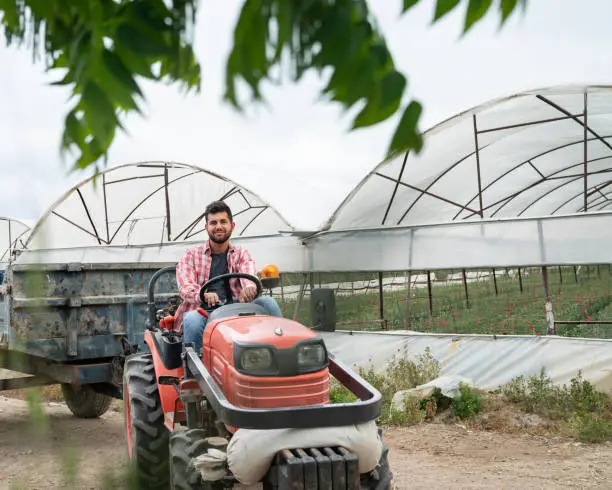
[
  {"x": 185, "y": 446},
  {"x": 84, "y": 402},
  {"x": 147, "y": 436},
  {"x": 382, "y": 477}
]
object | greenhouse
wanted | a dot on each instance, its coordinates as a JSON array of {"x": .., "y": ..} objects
[
  {"x": 499, "y": 226},
  {"x": 519, "y": 181},
  {"x": 13, "y": 235}
]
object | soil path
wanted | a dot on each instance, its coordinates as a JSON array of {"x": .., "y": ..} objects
[{"x": 425, "y": 456}]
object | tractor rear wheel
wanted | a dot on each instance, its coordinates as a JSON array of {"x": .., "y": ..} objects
[
  {"x": 185, "y": 445},
  {"x": 84, "y": 402},
  {"x": 147, "y": 436}
]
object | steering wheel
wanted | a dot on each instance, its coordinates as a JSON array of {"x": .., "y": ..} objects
[{"x": 231, "y": 275}]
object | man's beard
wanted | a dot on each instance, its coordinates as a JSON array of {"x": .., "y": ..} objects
[{"x": 219, "y": 240}]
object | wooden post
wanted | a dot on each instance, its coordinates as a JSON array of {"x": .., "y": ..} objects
[{"x": 520, "y": 280}]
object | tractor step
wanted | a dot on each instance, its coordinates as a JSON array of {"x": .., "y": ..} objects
[{"x": 329, "y": 468}]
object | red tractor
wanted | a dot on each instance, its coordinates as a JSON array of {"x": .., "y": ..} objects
[{"x": 253, "y": 408}]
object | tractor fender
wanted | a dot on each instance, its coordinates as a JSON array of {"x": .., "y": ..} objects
[{"x": 250, "y": 452}]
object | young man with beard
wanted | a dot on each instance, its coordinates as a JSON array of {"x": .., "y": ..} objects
[{"x": 216, "y": 257}]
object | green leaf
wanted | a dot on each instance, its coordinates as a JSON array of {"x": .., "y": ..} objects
[
  {"x": 138, "y": 65},
  {"x": 407, "y": 136},
  {"x": 115, "y": 66},
  {"x": 443, "y": 7},
  {"x": 99, "y": 111},
  {"x": 475, "y": 11},
  {"x": 73, "y": 131},
  {"x": 392, "y": 89},
  {"x": 507, "y": 7},
  {"x": 409, "y": 4},
  {"x": 139, "y": 43}
]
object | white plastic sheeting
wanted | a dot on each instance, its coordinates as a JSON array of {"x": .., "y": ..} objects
[
  {"x": 525, "y": 153},
  {"x": 490, "y": 362},
  {"x": 283, "y": 251},
  {"x": 149, "y": 203},
  {"x": 563, "y": 240},
  {"x": 13, "y": 234}
]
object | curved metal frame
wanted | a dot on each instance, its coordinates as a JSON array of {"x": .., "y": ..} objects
[
  {"x": 466, "y": 209},
  {"x": 185, "y": 234}
]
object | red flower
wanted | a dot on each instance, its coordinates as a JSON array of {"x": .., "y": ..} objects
[
  {"x": 531, "y": 328},
  {"x": 588, "y": 318}
]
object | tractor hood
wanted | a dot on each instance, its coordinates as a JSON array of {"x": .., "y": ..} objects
[{"x": 280, "y": 332}]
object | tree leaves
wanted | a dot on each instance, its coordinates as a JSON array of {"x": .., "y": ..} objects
[
  {"x": 407, "y": 135},
  {"x": 102, "y": 47}
]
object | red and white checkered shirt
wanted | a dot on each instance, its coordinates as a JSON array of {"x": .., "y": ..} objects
[{"x": 193, "y": 270}]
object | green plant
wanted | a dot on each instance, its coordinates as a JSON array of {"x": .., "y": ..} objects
[
  {"x": 101, "y": 48},
  {"x": 468, "y": 403},
  {"x": 580, "y": 406},
  {"x": 400, "y": 374}
]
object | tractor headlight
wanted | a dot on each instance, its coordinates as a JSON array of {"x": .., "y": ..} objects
[
  {"x": 256, "y": 359},
  {"x": 310, "y": 356}
]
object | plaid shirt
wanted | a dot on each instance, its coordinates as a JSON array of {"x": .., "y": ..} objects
[{"x": 193, "y": 271}]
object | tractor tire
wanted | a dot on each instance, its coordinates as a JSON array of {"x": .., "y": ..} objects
[
  {"x": 185, "y": 445},
  {"x": 146, "y": 435},
  {"x": 84, "y": 402},
  {"x": 382, "y": 477}
]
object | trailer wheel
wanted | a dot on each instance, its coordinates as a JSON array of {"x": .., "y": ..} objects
[
  {"x": 185, "y": 445},
  {"x": 84, "y": 402},
  {"x": 146, "y": 434}
]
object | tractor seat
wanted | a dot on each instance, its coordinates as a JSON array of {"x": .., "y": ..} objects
[{"x": 237, "y": 309}]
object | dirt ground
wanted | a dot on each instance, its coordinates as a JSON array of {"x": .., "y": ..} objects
[{"x": 424, "y": 456}]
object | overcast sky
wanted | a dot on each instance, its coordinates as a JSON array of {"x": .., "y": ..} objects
[{"x": 298, "y": 154}]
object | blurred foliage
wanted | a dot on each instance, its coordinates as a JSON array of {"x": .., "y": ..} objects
[{"x": 103, "y": 47}]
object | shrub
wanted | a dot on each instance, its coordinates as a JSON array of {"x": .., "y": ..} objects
[{"x": 468, "y": 403}]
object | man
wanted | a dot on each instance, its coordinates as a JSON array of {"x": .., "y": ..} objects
[{"x": 216, "y": 257}]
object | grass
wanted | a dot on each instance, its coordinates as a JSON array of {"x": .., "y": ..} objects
[{"x": 584, "y": 297}]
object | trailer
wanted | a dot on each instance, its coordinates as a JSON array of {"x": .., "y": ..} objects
[{"x": 73, "y": 324}]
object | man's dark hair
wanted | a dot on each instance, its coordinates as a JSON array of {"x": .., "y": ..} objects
[{"x": 217, "y": 207}]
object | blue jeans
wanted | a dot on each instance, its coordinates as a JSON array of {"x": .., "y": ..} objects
[{"x": 194, "y": 323}]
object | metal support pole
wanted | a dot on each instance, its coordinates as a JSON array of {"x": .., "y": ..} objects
[
  {"x": 408, "y": 300},
  {"x": 495, "y": 283},
  {"x": 298, "y": 301},
  {"x": 560, "y": 275},
  {"x": 282, "y": 292},
  {"x": 575, "y": 274},
  {"x": 381, "y": 303},
  {"x": 550, "y": 319},
  {"x": 429, "y": 293},
  {"x": 477, "y": 150},
  {"x": 520, "y": 280},
  {"x": 586, "y": 158},
  {"x": 465, "y": 288}
]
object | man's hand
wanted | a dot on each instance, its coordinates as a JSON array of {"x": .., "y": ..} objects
[
  {"x": 248, "y": 294},
  {"x": 211, "y": 299}
]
